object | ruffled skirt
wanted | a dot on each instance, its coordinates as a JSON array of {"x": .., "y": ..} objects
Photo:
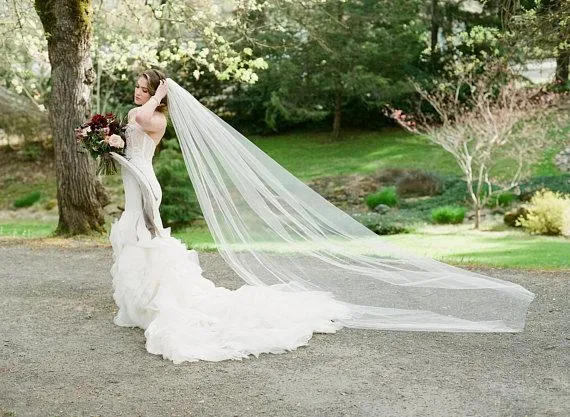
[{"x": 159, "y": 287}]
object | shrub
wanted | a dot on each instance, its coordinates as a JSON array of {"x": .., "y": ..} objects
[
  {"x": 31, "y": 151},
  {"x": 391, "y": 175},
  {"x": 454, "y": 194},
  {"x": 390, "y": 228},
  {"x": 179, "y": 205},
  {"x": 50, "y": 204},
  {"x": 548, "y": 213},
  {"x": 401, "y": 221},
  {"x": 418, "y": 183},
  {"x": 506, "y": 199},
  {"x": 558, "y": 183},
  {"x": 566, "y": 223},
  {"x": 512, "y": 218},
  {"x": 503, "y": 199},
  {"x": 448, "y": 215},
  {"x": 386, "y": 195},
  {"x": 27, "y": 200}
]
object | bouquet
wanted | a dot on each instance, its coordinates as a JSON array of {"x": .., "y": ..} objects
[{"x": 101, "y": 135}]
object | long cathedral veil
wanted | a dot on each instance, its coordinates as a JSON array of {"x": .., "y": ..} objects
[{"x": 271, "y": 228}]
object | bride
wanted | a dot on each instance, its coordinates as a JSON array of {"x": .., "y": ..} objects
[{"x": 307, "y": 266}]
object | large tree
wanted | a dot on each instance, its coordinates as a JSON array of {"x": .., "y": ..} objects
[
  {"x": 128, "y": 37},
  {"x": 359, "y": 51},
  {"x": 553, "y": 23},
  {"x": 331, "y": 58},
  {"x": 542, "y": 27},
  {"x": 80, "y": 196}
]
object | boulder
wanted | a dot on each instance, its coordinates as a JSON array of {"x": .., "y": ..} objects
[
  {"x": 382, "y": 208},
  {"x": 511, "y": 217}
]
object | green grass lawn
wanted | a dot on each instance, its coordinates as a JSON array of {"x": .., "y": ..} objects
[
  {"x": 459, "y": 245},
  {"x": 462, "y": 246},
  {"x": 13, "y": 190},
  {"x": 27, "y": 229},
  {"x": 508, "y": 249},
  {"x": 313, "y": 155}
]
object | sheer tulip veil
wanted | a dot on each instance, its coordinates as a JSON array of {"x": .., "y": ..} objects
[
  {"x": 271, "y": 229},
  {"x": 306, "y": 265}
]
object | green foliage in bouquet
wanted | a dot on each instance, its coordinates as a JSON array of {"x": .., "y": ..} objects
[{"x": 101, "y": 135}]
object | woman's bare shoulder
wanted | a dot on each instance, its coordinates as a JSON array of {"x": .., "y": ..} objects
[{"x": 131, "y": 114}]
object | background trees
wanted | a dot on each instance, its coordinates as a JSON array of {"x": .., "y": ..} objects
[
  {"x": 344, "y": 58},
  {"x": 264, "y": 65},
  {"x": 68, "y": 30},
  {"x": 485, "y": 119},
  {"x": 333, "y": 64},
  {"x": 545, "y": 26}
]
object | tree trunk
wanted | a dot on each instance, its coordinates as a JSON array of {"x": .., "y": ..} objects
[
  {"x": 337, "y": 116},
  {"x": 80, "y": 196},
  {"x": 477, "y": 216},
  {"x": 507, "y": 9},
  {"x": 164, "y": 27},
  {"x": 434, "y": 28},
  {"x": 475, "y": 201},
  {"x": 562, "y": 63}
]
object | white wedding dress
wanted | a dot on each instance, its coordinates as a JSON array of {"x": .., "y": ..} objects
[
  {"x": 307, "y": 265},
  {"x": 159, "y": 287}
]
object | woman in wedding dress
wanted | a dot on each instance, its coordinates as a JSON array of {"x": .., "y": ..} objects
[
  {"x": 308, "y": 267},
  {"x": 158, "y": 283}
]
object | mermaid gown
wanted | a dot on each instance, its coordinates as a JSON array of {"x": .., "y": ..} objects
[{"x": 158, "y": 285}]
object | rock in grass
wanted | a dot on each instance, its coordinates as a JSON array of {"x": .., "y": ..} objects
[{"x": 382, "y": 208}]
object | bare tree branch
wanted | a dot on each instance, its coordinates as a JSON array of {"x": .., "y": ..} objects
[{"x": 493, "y": 123}]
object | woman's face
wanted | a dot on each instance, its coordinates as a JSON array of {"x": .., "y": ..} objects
[{"x": 141, "y": 91}]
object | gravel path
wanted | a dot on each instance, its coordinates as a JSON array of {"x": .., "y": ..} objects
[{"x": 61, "y": 355}]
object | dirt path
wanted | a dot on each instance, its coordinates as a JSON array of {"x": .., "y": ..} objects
[{"x": 61, "y": 355}]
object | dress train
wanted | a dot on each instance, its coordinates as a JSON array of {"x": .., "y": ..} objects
[{"x": 159, "y": 287}]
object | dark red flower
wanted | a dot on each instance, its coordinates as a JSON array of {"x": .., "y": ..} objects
[{"x": 98, "y": 120}]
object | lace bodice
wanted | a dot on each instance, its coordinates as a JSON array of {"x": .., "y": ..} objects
[{"x": 140, "y": 146}]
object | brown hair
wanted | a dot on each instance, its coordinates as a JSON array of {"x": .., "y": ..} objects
[{"x": 153, "y": 76}]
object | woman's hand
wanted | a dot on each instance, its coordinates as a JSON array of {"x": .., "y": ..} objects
[{"x": 161, "y": 91}]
